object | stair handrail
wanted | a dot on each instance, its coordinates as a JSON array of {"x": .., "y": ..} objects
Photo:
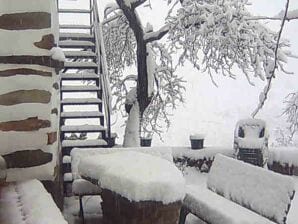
[{"x": 103, "y": 67}]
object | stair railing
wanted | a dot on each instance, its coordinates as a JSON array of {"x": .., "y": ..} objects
[{"x": 102, "y": 68}]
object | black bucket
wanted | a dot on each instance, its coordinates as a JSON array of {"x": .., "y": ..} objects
[
  {"x": 146, "y": 142},
  {"x": 197, "y": 143}
]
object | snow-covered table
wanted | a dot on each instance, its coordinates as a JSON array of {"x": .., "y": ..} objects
[
  {"x": 240, "y": 193},
  {"x": 136, "y": 187}
]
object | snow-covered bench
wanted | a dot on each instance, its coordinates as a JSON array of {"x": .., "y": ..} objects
[
  {"x": 28, "y": 202},
  {"x": 239, "y": 193},
  {"x": 82, "y": 187}
]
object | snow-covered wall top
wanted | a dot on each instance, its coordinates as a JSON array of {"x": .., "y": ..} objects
[
  {"x": 29, "y": 88},
  {"x": 284, "y": 155}
]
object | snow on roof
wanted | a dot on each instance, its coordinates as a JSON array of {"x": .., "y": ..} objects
[
  {"x": 78, "y": 153},
  {"x": 135, "y": 175},
  {"x": 263, "y": 191},
  {"x": 284, "y": 155}
]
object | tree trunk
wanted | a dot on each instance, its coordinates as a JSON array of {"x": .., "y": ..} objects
[
  {"x": 132, "y": 133},
  {"x": 142, "y": 85}
]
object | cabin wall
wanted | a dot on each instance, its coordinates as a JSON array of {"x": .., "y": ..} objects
[{"x": 29, "y": 89}]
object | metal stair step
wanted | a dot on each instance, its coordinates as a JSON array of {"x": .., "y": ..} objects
[
  {"x": 74, "y": 26},
  {"x": 81, "y": 114},
  {"x": 76, "y": 36},
  {"x": 75, "y": 43},
  {"x": 80, "y": 101},
  {"x": 82, "y": 128},
  {"x": 80, "y": 88},
  {"x": 80, "y": 65},
  {"x": 74, "y": 11},
  {"x": 79, "y": 76},
  {"x": 82, "y": 54},
  {"x": 84, "y": 143}
]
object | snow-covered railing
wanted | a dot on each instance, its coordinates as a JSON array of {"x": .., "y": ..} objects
[{"x": 102, "y": 67}]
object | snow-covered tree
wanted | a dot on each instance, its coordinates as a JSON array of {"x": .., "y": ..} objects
[{"x": 214, "y": 36}]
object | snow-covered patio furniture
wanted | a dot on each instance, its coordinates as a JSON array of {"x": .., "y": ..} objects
[
  {"x": 82, "y": 187},
  {"x": 28, "y": 202},
  {"x": 251, "y": 141},
  {"x": 240, "y": 193},
  {"x": 136, "y": 187}
]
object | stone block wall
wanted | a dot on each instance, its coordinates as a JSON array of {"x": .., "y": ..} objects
[{"x": 29, "y": 89}]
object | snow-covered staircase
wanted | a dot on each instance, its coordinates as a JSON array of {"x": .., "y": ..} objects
[{"x": 84, "y": 86}]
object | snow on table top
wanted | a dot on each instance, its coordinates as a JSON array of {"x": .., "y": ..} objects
[
  {"x": 258, "y": 189},
  {"x": 136, "y": 176},
  {"x": 28, "y": 202},
  {"x": 219, "y": 210},
  {"x": 205, "y": 153},
  {"x": 78, "y": 153},
  {"x": 284, "y": 155}
]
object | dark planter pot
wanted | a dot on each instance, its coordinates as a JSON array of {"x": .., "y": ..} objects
[
  {"x": 146, "y": 142},
  {"x": 197, "y": 143},
  {"x": 111, "y": 141}
]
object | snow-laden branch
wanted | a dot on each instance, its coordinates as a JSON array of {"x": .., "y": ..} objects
[
  {"x": 272, "y": 65},
  {"x": 157, "y": 35},
  {"x": 291, "y": 15},
  {"x": 291, "y": 113}
]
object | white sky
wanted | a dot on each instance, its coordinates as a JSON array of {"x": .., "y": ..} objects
[{"x": 214, "y": 111}]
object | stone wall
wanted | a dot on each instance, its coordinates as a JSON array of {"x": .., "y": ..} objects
[
  {"x": 28, "y": 89},
  {"x": 204, "y": 165}
]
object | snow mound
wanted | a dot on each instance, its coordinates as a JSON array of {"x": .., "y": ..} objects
[
  {"x": 57, "y": 54},
  {"x": 267, "y": 193},
  {"x": 136, "y": 176}
]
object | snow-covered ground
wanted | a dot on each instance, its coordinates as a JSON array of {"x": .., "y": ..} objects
[{"x": 192, "y": 176}]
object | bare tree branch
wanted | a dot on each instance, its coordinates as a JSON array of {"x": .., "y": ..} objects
[{"x": 272, "y": 67}]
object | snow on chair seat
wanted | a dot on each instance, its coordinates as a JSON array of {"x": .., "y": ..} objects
[
  {"x": 28, "y": 203},
  {"x": 264, "y": 192}
]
